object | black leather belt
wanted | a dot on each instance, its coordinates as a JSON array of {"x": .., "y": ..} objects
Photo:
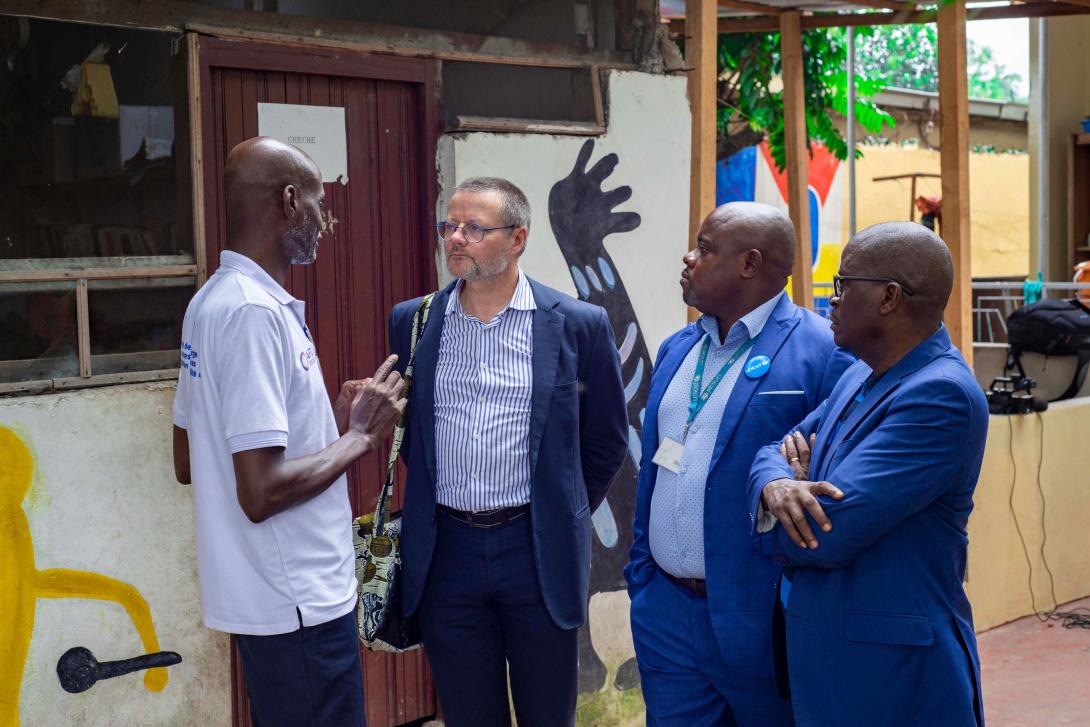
[
  {"x": 485, "y": 518},
  {"x": 697, "y": 586}
]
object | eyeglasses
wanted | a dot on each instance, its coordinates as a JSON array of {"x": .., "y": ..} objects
[
  {"x": 838, "y": 283},
  {"x": 473, "y": 232}
]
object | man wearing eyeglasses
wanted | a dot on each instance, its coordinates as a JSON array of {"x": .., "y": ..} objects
[
  {"x": 702, "y": 589},
  {"x": 878, "y": 628},
  {"x": 516, "y": 426}
]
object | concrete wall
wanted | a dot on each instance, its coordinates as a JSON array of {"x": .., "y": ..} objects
[
  {"x": 104, "y": 508},
  {"x": 998, "y": 578}
]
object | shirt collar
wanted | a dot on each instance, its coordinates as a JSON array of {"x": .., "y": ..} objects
[
  {"x": 242, "y": 264},
  {"x": 523, "y": 298},
  {"x": 753, "y": 322}
]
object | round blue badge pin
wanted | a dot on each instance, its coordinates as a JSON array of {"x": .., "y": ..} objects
[{"x": 757, "y": 367}]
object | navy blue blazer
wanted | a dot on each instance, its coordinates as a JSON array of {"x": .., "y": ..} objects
[
  {"x": 741, "y": 577},
  {"x": 879, "y": 630},
  {"x": 578, "y": 440}
]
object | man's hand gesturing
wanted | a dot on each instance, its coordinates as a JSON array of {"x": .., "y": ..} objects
[{"x": 378, "y": 403}]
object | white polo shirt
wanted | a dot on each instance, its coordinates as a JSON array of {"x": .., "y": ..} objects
[{"x": 250, "y": 379}]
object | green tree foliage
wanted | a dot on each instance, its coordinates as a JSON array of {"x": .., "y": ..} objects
[
  {"x": 750, "y": 95},
  {"x": 906, "y": 56}
]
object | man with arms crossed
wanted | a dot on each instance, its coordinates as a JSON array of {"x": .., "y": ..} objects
[
  {"x": 517, "y": 425},
  {"x": 872, "y": 522},
  {"x": 701, "y": 586},
  {"x": 255, "y": 433}
]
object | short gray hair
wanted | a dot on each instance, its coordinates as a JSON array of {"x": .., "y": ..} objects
[{"x": 514, "y": 207}]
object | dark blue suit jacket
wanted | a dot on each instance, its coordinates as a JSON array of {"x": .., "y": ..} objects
[
  {"x": 741, "y": 578},
  {"x": 879, "y": 630},
  {"x": 578, "y": 440}
]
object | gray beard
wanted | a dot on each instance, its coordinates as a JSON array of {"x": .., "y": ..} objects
[{"x": 301, "y": 243}]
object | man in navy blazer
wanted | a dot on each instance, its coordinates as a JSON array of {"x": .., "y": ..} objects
[
  {"x": 701, "y": 586},
  {"x": 878, "y": 628},
  {"x": 516, "y": 426}
]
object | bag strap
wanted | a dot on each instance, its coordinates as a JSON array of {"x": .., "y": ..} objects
[
  {"x": 1079, "y": 377},
  {"x": 382, "y": 507}
]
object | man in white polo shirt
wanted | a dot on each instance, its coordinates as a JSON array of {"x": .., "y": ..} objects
[{"x": 256, "y": 435}]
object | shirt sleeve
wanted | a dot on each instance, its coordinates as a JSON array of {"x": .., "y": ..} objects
[{"x": 254, "y": 380}]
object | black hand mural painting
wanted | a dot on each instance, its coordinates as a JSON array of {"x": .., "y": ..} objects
[{"x": 582, "y": 216}]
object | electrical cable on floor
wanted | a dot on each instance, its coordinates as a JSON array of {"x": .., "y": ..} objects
[{"x": 1075, "y": 618}]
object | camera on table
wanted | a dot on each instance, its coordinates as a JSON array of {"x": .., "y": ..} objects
[{"x": 1013, "y": 395}]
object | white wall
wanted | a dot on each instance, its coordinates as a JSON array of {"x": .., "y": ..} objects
[
  {"x": 104, "y": 500},
  {"x": 649, "y": 129}
]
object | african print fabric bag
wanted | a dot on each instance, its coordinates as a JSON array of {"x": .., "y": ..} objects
[{"x": 377, "y": 537}]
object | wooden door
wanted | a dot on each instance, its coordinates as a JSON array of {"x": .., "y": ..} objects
[{"x": 381, "y": 250}]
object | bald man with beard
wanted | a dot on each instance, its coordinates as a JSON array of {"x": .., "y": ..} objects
[
  {"x": 870, "y": 521},
  {"x": 255, "y": 434},
  {"x": 702, "y": 586}
]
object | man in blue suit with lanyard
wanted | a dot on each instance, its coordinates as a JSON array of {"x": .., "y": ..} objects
[
  {"x": 702, "y": 589},
  {"x": 878, "y": 628}
]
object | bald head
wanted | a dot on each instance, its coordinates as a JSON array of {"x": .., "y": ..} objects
[
  {"x": 910, "y": 254},
  {"x": 262, "y": 167},
  {"x": 756, "y": 226}
]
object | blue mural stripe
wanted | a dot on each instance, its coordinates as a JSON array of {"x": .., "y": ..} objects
[
  {"x": 605, "y": 525},
  {"x": 629, "y": 342},
  {"x": 593, "y": 277},
  {"x": 607, "y": 273},
  {"x": 580, "y": 282},
  {"x": 634, "y": 385}
]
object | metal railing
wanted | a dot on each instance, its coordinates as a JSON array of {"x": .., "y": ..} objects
[{"x": 992, "y": 303}]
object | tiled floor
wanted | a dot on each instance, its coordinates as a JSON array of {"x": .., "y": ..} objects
[{"x": 1036, "y": 674}]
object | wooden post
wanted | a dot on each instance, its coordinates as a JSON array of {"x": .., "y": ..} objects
[
  {"x": 954, "y": 116},
  {"x": 798, "y": 156},
  {"x": 701, "y": 40}
]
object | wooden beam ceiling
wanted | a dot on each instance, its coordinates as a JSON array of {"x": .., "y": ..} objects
[
  {"x": 755, "y": 8},
  {"x": 768, "y": 23}
]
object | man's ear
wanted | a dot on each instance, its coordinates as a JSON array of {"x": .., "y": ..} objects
[
  {"x": 751, "y": 263},
  {"x": 892, "y": 298},
  {"x": 290, "y": 201},
  {"x": 519, "y": 246}
]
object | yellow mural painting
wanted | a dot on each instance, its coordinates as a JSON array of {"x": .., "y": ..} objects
[{"x": 22, "y": 584}]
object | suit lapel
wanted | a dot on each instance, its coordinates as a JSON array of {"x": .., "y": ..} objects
[
  {"x": 547, "y": 335},
  {"x": 928, "y": 350},
  {"x": 426, "y": 360},
  {"x": 768, "y": 343},
  {"x": 665, "y": 370},
  {"x": 838, "y": 399}
]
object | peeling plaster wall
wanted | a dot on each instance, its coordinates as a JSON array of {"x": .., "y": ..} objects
[{"x": 104, "y": 500}]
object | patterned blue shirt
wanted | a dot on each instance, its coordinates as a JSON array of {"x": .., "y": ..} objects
[
  {"x": 483, "y": 390},
  {"x": 677, "y": 504}
]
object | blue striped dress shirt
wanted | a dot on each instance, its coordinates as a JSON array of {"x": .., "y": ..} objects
[{"x": 483, "y": 390}]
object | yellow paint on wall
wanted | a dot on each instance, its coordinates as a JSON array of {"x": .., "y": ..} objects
[
  {"x": 22, "y": 584},
  {"x": 998, "y": 201},
  {"x": 999, "y": 577}
]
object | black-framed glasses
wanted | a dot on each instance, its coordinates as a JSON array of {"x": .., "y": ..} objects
[
  {"x": 838, "y": 283},
  {"x": 472, "y": 231}
]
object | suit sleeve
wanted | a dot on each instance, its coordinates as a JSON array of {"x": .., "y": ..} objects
[
  {"x": 603, "y": 415},
  {"x": 769, "y": 464},
  {"x": 914, "y": 455},
  {"x": 641, "y": 566},
  {"x": 399, "y": 343}
]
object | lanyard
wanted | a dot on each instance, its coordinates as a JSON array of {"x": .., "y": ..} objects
[{"x": 698, "y": 398}]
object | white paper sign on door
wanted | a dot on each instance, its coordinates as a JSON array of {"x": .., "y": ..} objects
[{"x": 317, "y": 130}]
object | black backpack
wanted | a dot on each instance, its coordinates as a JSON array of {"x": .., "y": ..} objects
[{"x": 1054, "y": 328}]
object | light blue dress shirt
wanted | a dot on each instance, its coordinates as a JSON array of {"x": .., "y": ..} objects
[
  {"x": 483, "y": 391},
  {"x": 676, "y": 530}
]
